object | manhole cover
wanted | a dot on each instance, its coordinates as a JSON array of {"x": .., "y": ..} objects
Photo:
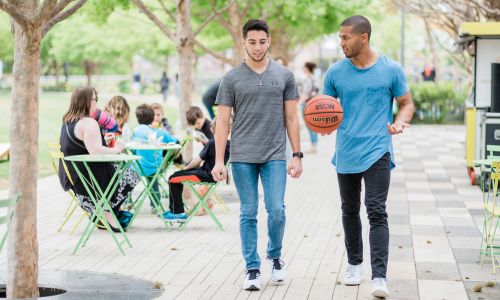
[{"x": 88, "y": 285}]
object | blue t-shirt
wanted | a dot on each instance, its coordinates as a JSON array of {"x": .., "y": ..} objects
[
  {"x": 151, "y": 159},
  {"x": 366, "y": 96}
]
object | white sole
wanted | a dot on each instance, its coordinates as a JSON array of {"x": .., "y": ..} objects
[{"x": 380, "y": 294}]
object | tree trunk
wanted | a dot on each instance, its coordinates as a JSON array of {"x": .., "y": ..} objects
[
  {"x": 89, "y": 70},
  {"x": 23, "y": 245},
  {"x": 280, "y": 45},
  {"x": 185, "y": 48},
  {"x": 236, "y": 34},
  {"x": 432, "y": 46},
  {"x": 55, "y": 66}
]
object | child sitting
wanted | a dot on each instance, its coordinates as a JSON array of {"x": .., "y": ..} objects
[
  {"x": 195, "y": 118},
  {"x": 118, "y": 108},
  {"x": 199, "y": 169},
  {"x": 151, "y": 159},
  {"x": 160, "y": 120},
  {"x": 105, "y": 121}
]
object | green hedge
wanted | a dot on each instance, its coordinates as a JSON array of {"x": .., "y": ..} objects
[{"x": 437, "y": 102}]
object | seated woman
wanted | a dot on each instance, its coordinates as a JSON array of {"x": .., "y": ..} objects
[{"x": 80, "y": 134}]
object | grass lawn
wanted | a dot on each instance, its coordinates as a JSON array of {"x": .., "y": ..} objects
[{"x": 52, "y": 108}]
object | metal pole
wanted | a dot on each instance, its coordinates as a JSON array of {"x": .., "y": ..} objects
[{"x": 402, "y": 54}]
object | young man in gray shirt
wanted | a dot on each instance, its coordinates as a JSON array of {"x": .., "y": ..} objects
[{"x": 263, "y": 95}]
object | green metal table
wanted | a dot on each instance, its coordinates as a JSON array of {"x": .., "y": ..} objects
[
  {"x": 160, "y": 173},
  {"x": 99, "y": 197}
]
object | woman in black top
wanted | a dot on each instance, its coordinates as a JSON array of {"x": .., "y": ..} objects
[{"x": 80, "y": 134}]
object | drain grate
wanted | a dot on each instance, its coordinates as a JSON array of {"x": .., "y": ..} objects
[
  {"x": 83, "y": 285},
  {"x": 121, "y": 291}
]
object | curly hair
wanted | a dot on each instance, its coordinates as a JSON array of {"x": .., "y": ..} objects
[{"x": 119, "y": 109}]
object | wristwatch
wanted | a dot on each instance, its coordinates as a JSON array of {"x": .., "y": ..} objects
[{"x": 298, "y": 154}]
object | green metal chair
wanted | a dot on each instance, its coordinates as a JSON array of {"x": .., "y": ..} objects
[
  {"x": 490, "y": 245},
  {"x": 9, "y": 205},
  {"x": 202, "y": 196},
  {"x": 58, "y": 156}
]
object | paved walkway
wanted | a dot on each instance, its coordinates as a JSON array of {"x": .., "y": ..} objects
[{"x": 435, "y": 216}]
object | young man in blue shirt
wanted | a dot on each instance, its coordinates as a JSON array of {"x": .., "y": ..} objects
[{"x": 366, "y": 83}]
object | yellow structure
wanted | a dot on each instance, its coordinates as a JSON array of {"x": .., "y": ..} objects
[{"x": 485, "y": 40}]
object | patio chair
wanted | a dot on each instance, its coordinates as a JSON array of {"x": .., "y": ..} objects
[
  {"x": 58, "y": 156},
  {"x": 6, "y": 217},
  {"x": 490, "y": 245}
]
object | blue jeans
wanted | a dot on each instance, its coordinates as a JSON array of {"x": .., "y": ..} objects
[
  {"x": 312, "y": 135},
  {"x": 273, "y": 178}
]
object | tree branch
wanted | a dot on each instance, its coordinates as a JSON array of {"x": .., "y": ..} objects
[
  {"x": 44, "y": 12},
  {"x": 12, "y": 11},
  {"x": 219, "y": 56},
  {"x": 155, "y": 19},
  {"x": 211, "y": 17},
  {"x": 169, "y": 13},
  {"x": 62, "y": 15}
]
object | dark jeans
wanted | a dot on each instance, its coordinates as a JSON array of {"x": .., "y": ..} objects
[{"x": 377, "y": 179}]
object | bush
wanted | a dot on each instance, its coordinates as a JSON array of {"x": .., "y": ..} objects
[
  {"x": 437, "y": 102},
  {"x": 123, "y": 86},
  {"x": 61, "y": 87}
]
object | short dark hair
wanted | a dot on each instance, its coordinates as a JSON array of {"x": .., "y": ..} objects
[
  {"x": 145, "y": 114},
  {"x": 310, "y": 66},
  {"x": 192, "y": 114},
  {"x": 253, "y": 24},
  {"x": 359, "y": 24}
]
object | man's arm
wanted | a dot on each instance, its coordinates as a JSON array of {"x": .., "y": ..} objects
[
  {"x": 219, "y": 171},
  {"x": 293, "y": 131},
  {"x": 405, "y": 113}
]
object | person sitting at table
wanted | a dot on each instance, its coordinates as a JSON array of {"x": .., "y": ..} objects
[
  {"x": 151, "y": 159},
  {"x": 119, "y": 109},
  {"x": 200, "y": 123},
  {"x": 80, "y": 135},
  {"x": 200, "y": 170}
]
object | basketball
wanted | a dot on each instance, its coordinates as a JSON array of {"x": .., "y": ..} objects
[{"x": 323, "y": 114}]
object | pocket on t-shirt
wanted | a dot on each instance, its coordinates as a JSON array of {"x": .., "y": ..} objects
[{"x": 376, "y": 97}]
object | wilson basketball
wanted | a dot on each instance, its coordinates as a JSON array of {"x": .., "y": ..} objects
[{"x": 323, "y": 114}]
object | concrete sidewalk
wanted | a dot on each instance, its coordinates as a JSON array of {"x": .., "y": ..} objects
[{"x": 435, "y": 218}]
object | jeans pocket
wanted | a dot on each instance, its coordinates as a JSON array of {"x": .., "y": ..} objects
[{"x": 375, "y": 97}]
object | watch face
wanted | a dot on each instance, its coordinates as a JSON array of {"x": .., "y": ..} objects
[{"x": 298, "y": 154}]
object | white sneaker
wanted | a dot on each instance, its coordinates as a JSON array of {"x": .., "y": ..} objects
[
  {"x": 353, "y": 274},
  {"x": 379, "y": 288},
  {"x": 278, "y": 273},
  {"x": 252, "y": 280}
]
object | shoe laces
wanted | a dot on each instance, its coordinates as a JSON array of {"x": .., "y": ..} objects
[
  {"x": 253, "y": 274},
  {"x": 278, "y": 264}
]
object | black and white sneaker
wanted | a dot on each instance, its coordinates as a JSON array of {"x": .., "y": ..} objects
[
  {"x": 252, "y": 280},
  {"x": 278, "y": 273}
]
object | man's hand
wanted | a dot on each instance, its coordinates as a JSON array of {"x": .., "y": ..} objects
[
  {"x": 397, "y": 127},
  {"x": 219, "y": 172},
  {"x": 295, "y": 167}
]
